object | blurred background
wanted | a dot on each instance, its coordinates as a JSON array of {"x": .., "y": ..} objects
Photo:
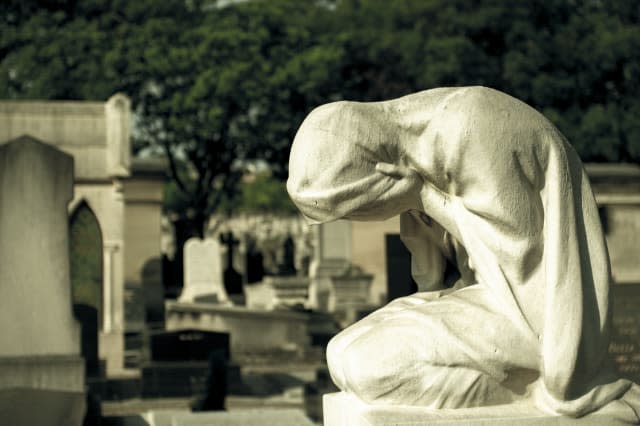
[{"x": 180, "y": 115}]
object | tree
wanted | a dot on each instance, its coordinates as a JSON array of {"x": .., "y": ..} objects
[
  {"x": 212, "y": 88},
  {"x": 215, "y": 88}
]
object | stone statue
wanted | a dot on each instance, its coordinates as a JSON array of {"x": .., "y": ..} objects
[{"x": 485, "y": 181}]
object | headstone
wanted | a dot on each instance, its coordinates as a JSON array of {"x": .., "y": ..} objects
[
  {"x": 350, "y": 294},
  {"x": 332, "y": 257},
  {"x": 203, "y": 278},
  {"x": 335, "y": 240},
  {"x": 188, "y": 363},
  {"x": 187, "y": 345},
  {"x": 39, "y": 337}
]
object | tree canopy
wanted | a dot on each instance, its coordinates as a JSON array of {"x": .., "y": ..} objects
[{"x": 215, "y": 87}]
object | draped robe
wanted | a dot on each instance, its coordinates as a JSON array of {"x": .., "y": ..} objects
[{"x": 511, "y": 206}]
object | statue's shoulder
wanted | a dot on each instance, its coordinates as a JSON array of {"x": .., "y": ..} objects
[{"x": 470, "y": 97}]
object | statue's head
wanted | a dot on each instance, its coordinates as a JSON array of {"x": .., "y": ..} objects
[{"x": 345, "y": 162}]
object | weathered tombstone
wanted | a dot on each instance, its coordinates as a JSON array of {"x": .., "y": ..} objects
[
  {"x": 40, "y": 358},
  {"x": 332, "y": 257},
  {"x": 349, "y": 296},
  {"x": 203, "y": 278}
]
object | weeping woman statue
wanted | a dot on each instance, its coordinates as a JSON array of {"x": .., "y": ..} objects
[{"x": 484, "y": 181}]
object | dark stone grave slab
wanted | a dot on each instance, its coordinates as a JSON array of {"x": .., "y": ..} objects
[
  {"x": 188, "y": 363},
  {"x": 624, "y": 347},
  {"x": 187, "y": 345}
]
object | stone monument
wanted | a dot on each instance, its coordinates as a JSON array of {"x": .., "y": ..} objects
[
  {"x": 203, "y": 278},
  {"x": 41, "y": 370},
  {"x": 486, "y": 182}
]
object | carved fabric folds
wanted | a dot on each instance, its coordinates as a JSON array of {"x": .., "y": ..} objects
[{"x": 516, "y": 195}]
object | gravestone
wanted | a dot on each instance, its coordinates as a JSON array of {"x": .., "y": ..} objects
[
  {"x": 39, "y": 337},
  {"x": 187, "y": 363},
  {"x": 332, "y": 257},
  {"x": 349, "y": 296},
  {"x": 203, "y": 278}
]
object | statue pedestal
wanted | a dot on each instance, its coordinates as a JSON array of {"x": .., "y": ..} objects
[{"x": 343, "y": 409}]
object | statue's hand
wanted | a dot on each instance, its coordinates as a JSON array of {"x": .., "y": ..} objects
[{"x": 397, "y": 172}]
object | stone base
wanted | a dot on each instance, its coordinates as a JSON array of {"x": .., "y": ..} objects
[
  {"x": 342, "y": 409},
  {"x": 37, "y": 407},
  {"x": 42, "y": 390},
  {"x": 47, "y": 372}
]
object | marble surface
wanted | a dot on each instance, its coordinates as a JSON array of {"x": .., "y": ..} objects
[
  {"x": 488, "y": 184},
  {"x": 343, "y": 409}
]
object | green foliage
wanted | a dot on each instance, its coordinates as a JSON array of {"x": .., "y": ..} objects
[
  {"x": 216, "y": 87},
  {"x": 265, "y": 194}
]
